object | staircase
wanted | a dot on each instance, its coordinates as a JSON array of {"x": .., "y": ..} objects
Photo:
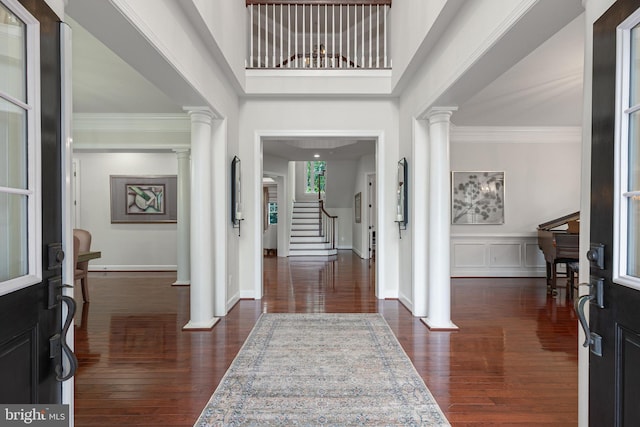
[{"x": 307, "y": 238}]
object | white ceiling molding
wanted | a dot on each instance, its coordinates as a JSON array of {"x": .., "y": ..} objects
[
  {"x": 131, "y": 122},
  {"x": 517, "y": 134},
  {"x": 128, "y": 146}
]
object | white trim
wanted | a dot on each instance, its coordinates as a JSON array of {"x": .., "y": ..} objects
[
  {"x": 246, "y": 294},
  {"x": 322, "y": 72},
  {"x": 506, "y": 255},
  {"x": 15, "y": 101},
  {"x": 123, "y": 145},
  {"x": 68, "y": 268},
  {"x": 622, "y": 193},
  {"x": 517, "y": 134},
  {"x": 233, "y": 301},
  {"x": 33, "y": 129},
  {"x": 202, "y": 325},
  {"x": 381, "y": 235},
  {"x": 132, "y": 122},
  {"x": 19, "y": 191},
  {"x": 19, "y": 283},
  {"x": 131, "y": 267},
  {"x": 406, "y": 302}
]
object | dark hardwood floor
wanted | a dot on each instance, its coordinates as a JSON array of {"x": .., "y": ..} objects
[{"x": 513, "y": 361}]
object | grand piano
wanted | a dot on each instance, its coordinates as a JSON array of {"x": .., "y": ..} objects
[{"x": 559, "y": 246}]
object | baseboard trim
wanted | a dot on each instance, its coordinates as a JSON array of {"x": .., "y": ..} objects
[
  {"x": 406, "y": 302},
  {"x": 232, "y": 301},
  {"x": 133, "y": 267}
]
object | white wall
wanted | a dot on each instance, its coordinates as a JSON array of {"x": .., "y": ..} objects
[
  {"x": 340, "y": 181},
  {"x": 542, "y": 181},
  {"x": 123, "y": 246},
  {"x": 168, "y": 28},
  {"x": 409, "y": 22},
  {"x": 447, "y": 77},
  {"x": 299, "y": 117},
  {"x": 542, "y": 172},
  {"x": 222, "y": 18}
]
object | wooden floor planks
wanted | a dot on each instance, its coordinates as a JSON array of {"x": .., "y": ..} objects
[{"x": 513, "y": 361}]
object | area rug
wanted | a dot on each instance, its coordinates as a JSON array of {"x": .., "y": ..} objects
[{"x": 321, "y": 369}]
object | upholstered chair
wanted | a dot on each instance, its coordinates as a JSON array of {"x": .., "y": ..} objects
[{"x": 82, "y": 268}]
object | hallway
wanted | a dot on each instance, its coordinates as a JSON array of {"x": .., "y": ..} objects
[{"x": 514, "y": 359}]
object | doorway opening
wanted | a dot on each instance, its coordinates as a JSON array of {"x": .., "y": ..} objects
[{"x": 351, "y": 163}]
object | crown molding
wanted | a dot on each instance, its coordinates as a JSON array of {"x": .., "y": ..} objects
[
  {"x": 109, "y": 122},
  {"x": 517, "y": 134}
]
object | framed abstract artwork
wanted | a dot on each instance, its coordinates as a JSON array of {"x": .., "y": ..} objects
[
  {"x": 477, "y": 198},
  {"x": 138, "y": 199}
]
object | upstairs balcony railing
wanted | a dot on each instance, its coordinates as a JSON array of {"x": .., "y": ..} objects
[{"x": 313, "y": 34}]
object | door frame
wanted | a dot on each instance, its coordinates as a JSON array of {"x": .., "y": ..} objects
[
  {"x": 252, "y": 265},
  {"x": 371, "y": 211},
  {"x": 68, "y": 197}
]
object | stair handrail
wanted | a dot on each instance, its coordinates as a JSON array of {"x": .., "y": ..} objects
[{"x": 327, "y": 225}]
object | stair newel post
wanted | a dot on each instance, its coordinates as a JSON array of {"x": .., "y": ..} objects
[{"x": 333, "y": 233}]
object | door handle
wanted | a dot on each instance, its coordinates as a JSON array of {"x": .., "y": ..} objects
[
  {"x": 66, "y": 351},
  {"x": 592, "y": 340},
  {"x": 578, "y": 306}
]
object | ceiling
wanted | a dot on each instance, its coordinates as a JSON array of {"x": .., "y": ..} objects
[
  {"x": 328, "y": 148},
  {"x": 543, "y": 89}
]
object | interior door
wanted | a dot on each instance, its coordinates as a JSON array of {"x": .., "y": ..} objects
[
  {"x": 31, "y": 342},
  {"x": 614, "y": 312}
]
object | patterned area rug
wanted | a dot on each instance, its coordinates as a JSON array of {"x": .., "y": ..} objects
[{"x": 321, "y": 369}]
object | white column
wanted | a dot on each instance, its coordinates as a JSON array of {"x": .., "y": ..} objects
[
  {"x": 220, "y": 169},
  {"x": 202, "y": 283},
  {"x": 439, "y": 299},
  {"x": 183, "y": 216},
  {"x": 420, "y": 215}
]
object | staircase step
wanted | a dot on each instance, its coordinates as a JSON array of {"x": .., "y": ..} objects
[
  {"x": 307, "y": 239},
  {"x": 310, "y": 258},
  {"x": 306, "y": 215},
  {"x": 311, "y": 246},
  {"x": 305, "y": 234},
  {"x": 315, "y": 227},
  {"x": 313, "y": 252},
  {"x": 294, "y": 221}
]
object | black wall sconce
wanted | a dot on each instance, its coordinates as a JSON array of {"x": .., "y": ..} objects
[
  {"x": 236, "y": 193},
  {"x": 402, "y": 195}
]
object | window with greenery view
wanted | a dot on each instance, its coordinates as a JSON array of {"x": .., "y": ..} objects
[
  {"x": 273, "y": 213},
  {"x": 315, "y": 176}
]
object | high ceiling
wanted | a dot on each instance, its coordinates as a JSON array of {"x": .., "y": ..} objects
[{"x": 543, "y": 89}]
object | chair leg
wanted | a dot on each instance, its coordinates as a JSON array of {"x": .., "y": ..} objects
[{"x": 85, "y": 289}]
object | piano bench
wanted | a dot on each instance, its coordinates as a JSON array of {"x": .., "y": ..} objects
[{"x": 572, "y": 283}]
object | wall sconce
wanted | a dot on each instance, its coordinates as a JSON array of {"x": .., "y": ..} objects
[
  {"x": 236, "y": 193},
  {"x": 402, "y": 195}
]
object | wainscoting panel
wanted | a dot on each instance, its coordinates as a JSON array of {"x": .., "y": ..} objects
[
  {"x": 505, "y": 255},
  {"x": 469, "y": 255},
  {"x": 496, "y": 256}
]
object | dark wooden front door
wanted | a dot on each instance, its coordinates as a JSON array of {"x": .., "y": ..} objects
[
  {"x": 31, "y": 316},
  {"x": 614, "y": 369}
]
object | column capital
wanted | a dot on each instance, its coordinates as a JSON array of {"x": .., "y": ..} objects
[
  {"x": 440, "y": 114},
  {"x": 200, "y": 114},
  {"x": 182, "y": 152}
]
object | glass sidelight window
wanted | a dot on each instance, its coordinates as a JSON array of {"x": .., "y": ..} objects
[{"x": 19, "y": 166}]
